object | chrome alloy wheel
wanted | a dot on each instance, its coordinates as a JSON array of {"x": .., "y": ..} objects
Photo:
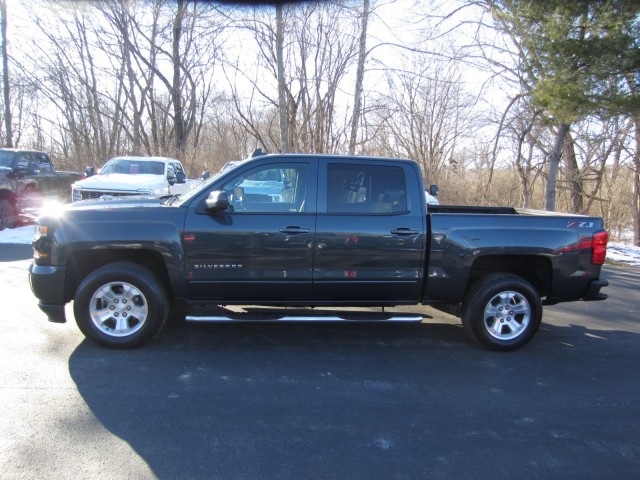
[
  {"x": 506, "y": 315},
  {"x": 118, "y": 309}
]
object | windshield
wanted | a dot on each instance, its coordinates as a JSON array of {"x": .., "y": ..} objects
[
  {"x": 132, "y": 167},
  {"x": 6, "y": 158}
]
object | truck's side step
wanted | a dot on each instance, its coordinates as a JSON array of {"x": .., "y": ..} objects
[{"x": 269, "y": 315}]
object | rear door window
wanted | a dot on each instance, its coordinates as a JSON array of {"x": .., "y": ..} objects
[{"x": 368, "y": 189}]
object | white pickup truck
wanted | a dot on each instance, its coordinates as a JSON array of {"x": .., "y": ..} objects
[{"x": 125, "y": 176}]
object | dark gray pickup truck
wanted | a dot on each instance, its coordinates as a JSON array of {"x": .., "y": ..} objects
[
  {"x": 27, "y": 180},
  {"x": 301, "y": 231}
]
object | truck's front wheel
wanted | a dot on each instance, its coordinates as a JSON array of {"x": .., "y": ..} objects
[
  {"x": 121, "y": 305},
  {"x": 502, "y": 311}
]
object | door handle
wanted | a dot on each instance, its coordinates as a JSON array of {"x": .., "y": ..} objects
[
  {"x": 291, "y": 230},
  {"x": 404, "y": 231}
]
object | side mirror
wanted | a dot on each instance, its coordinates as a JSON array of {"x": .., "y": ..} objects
[
  {"x": 206, "y": 174},
  {"x": 217, "y": 201},
  {"x": 433, "y": 190},
  {"x": 181, "y": 177},
  {"x": 89, "y": 172}
]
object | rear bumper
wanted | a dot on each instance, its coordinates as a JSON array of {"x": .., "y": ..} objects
[
  {"x": 47, "y": 284},
  {"x": 593, "y": 291}
]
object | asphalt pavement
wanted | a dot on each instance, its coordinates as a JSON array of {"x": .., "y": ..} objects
[{"x": 322, "y": 401}]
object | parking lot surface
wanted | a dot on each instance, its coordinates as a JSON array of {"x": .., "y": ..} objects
[{"x": 344, "y": 401}]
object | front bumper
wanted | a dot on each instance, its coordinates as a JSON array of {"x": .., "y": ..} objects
[{"x": 47, "y": 284}]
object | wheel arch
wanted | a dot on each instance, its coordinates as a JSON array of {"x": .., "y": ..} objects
[
  {"x": 536, "y": 269},
  {"x": 12, "y": 199},
  {"x": 82, "y": 263},
  {"x": 9, "y": 195}
]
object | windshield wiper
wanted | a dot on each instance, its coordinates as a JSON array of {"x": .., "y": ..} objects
[{"x": 169, "y": 199}]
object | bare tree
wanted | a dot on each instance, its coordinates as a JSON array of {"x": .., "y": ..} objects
[
  {"x": 586, "y": 155},
  {"x": 72, "y": 82},
  {"x": 320, "y": 49},
  {"x": 428, "y": 114},
  {"x": 106, "y": 68},
  {"x": 524, "y": 129},
  {"x": 188, "y": 42},
  {"x": 5, "y": 75},
  {"x": 119, "y": 42}
]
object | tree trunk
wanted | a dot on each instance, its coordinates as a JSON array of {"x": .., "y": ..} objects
[
  {"x": 5, "y": 76},
  {"x": 554, "y": 164},
  {"x": 635, "y": 204},
  {"x": 282, "y": 100},
  {"x": 574, "y": 176},
  {"x": 357, "y": 97},
  {"x": 91, "y": 92},
  {"x": 176, "y": 96}
]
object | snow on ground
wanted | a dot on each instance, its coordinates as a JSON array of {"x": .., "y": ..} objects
[
  {"x": 17, "y": 235},
  {"x": 621, "y": 253}
]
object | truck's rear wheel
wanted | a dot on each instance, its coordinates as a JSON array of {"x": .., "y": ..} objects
[
  {"x": 502, "y": 311},
  {"x": 121, "y": 305}
]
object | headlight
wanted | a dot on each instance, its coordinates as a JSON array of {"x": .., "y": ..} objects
[
  {"x": 42, "y": 245},
  {"x": 76, "y": 194}
]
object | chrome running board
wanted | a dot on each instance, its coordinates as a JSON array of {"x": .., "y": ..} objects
[{"x": 271, "y": 316}]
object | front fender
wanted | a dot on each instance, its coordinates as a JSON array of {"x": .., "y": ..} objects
[{"x": 137, "y": 230}]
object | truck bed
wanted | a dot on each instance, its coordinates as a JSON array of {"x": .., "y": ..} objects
[{"x": 433, "y": 208}]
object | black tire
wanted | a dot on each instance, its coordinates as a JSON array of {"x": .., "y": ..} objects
[
  {"x": 7, "y": 215},
  {"x": 121, "y": 305},
  {"x": 501, "y": 312}
]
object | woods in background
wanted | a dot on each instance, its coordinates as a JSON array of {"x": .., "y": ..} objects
[{"x": 528, "y": 104}]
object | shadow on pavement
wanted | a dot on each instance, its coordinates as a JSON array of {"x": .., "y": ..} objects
[{"x": 237, "y": 401}]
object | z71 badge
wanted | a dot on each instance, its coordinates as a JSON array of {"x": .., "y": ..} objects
[{"x": 580, "y": 224}]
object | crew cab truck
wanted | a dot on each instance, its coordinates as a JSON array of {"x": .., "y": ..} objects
[
  {"x": 343, "y": 231},
  {"x": 134, "y": 175},
  {"x": 27, "y": 180}
]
